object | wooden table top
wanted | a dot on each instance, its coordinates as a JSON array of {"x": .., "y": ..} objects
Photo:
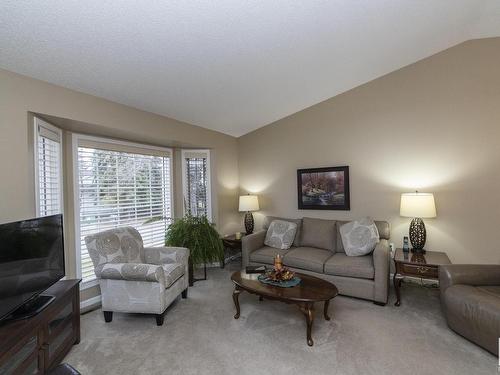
[
  {"x": 310, "y": 289},
  {"x": 232, "y": 238},
  {"x": 430, "y": 258}
]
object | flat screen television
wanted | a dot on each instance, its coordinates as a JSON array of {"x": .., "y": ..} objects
[{"x": 31, "y": 260}]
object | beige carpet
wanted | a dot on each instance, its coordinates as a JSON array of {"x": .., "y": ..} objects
[{"x": 200, "y": 336}]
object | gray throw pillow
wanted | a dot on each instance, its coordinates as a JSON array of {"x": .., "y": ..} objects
[
  {"x": 280, "y": 234},
  {"x": 359, "y": 237},
  {"x": 269, "y": 219}
]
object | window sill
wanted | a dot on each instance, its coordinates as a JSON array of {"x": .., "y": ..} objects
[{"x": 89, "y": 284}]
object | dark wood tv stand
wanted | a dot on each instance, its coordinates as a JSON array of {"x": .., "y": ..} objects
[{"x": 37, "y": 344}]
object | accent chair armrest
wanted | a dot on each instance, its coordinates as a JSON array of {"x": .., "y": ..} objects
[
  {"x": 165, "y": 255},
  {"x": 251, "y": 243},
  {"x": 468, "y": 274},
  {"x": 381, "y": 261},
  {"x": 133, "y": 272}
]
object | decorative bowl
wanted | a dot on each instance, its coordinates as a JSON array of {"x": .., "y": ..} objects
[{"x": 282, "y": 274}]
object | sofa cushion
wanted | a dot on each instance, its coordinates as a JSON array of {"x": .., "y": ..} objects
[
  {"x": 493, "y": 290},
  {"x": 359, "y": 237},
  {"x": 165, "y": 274},
  {"x": 307, "y": 258},
  {"x": 133, "y": 272},
  {"x": 269, "y": 219},
  {"x": 119, "y": 245},
  {"x": 280, "y": 234},
  {"x": 319, "y": 233},
  {"x": 266, "y": 254},
  {"x": 342, "y": 265},
  {"x": 474, "y": 312},
  {"x": 383, "y": 227}
]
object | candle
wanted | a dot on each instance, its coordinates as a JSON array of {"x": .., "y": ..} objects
[
  {"x": 278, "y": 262},
  {"x": 238, "y": 235}
]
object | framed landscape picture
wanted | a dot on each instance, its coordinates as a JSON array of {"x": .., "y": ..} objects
[{"x": 323, "y": 188}]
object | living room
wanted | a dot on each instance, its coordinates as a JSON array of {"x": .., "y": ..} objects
[{"x": 201, "y": 163}]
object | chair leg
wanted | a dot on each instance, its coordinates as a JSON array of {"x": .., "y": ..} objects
[
  {"x": 160, "y": 318},
  {"x": 108, "y": 316},
  {"x": 185, "y": 293}
]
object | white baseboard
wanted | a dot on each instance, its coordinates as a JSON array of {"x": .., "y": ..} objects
[{"x": 90, "y": 304}]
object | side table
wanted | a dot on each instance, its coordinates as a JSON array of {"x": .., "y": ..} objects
[
  {"x": 421, "y": 265},
  {"x": 232, "y": 245}
]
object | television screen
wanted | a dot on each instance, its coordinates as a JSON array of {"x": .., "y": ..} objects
[{"x": 31, "y": 260}]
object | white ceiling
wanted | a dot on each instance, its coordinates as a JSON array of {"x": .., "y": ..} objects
[{"x": 229, "y": 65}]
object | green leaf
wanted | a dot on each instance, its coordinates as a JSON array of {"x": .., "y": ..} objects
[{"x": 199, "y": 236}]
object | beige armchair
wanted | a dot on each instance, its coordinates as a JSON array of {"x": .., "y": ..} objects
[
  {"x": 135, "y": 279},
  {"x": 470, "y": 298}
]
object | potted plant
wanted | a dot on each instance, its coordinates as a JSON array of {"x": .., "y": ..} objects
[{"x": 200, "y": 237}]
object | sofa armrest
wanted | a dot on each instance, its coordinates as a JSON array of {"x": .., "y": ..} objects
[
  {"x": 251, "y": 243},
  {"x": 381, "y": 261},
  {"x": 468, "y": 274},
  {"x": 133, "y": 272},
  {"x": 165, "y": 255}
]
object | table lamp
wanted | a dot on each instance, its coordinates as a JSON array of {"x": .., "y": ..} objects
[
  {"x": 418, "y": 206},
  {"x": 249, "y": 203}
]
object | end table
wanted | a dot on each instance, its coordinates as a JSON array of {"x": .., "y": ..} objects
[
  {"x": 232, "y": 245},
  {"x": 420, "y": 265}
]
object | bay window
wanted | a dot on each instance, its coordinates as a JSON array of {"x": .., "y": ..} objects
[
  {"x": 48, "y": 168},
  {"x": 120, "y": 184},
  {"x": 196, "y": 182}
]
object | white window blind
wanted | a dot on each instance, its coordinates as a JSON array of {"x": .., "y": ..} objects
[
  {"x": 48, "y": 169},
  {"x": 122, "y": 185},
  {"x": 196, "y": 182}
]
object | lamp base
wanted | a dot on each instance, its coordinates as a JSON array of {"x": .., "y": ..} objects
[
  {"x": 249, "y": 223},
  {"x": 418, "y": 234}
]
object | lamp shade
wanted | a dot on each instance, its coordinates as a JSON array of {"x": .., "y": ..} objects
[
  {"x": 249, "y": 203},
  {"x": 417, "y": 205}
]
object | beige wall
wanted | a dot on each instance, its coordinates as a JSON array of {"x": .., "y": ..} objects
[
  {"x": 434, "y": 125},
  {"x": 83, "y": 113}
]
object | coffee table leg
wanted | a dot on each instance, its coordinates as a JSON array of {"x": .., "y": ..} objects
[
  {"x": 308, "y": 310},
  {"x": 236, "y": 294},
  {"x": 325, "y": 309}
]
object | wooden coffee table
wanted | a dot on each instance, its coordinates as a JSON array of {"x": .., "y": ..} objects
[{"x": 310, "y": 290}]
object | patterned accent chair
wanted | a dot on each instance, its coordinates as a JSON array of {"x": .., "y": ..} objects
[{"x": 134, "y": 278}]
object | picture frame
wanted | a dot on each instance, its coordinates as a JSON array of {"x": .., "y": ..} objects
[{"x": 323, "y": 188}]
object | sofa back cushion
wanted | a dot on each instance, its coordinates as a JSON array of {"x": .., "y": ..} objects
[
  {"x": 383, "y": 227},
  {"x": 119, "y": 245},
  {"x": 269, "y": 219},
  {"x": 318, "y": 233}
]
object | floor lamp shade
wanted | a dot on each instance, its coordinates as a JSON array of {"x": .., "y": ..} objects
[
  {"x": 418, "y": 206},
  {"x": 249, "y": 203}
]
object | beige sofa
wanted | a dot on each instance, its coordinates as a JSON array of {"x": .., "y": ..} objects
[
  {"x": 470, "y": 297},
  {"x": 317, "y": 250}
]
